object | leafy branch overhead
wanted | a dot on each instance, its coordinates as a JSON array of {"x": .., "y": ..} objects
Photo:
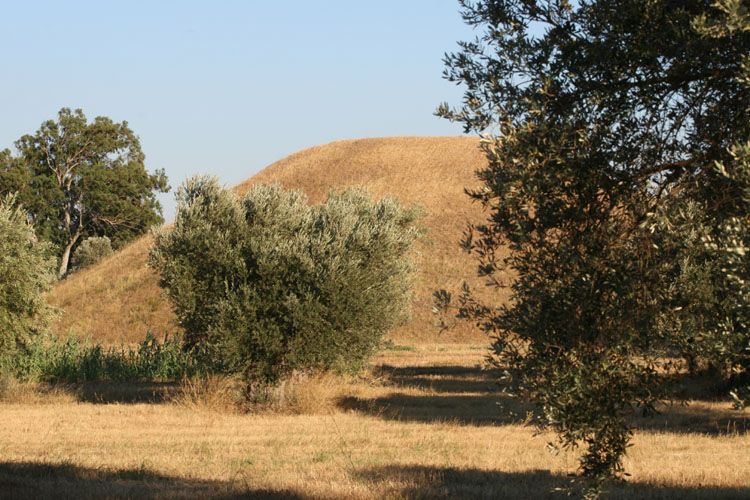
[{"x": 614, "y": 132}]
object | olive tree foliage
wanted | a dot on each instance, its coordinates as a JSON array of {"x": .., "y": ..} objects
[
  {"x": 27, "y": 270},
  {"x": 270, "y": 284},
  {"x": 92, "y": 250},
  {"x": 728, "y": 242},
  {"x": 78, "y": 178},
  {"x": 614, "y": 132},
  {"x": 728, "y": 248}
]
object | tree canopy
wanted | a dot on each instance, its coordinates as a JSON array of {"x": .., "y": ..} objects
[
  {"x": 270, "y": 284},
  {"x": 78, "y": 178},
  {"x": 616, "y": 134}
]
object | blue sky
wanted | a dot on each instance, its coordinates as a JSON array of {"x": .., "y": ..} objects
[{"x": 228, "y": 87}]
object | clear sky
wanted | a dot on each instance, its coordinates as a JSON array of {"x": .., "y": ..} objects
[{"x": 228, "y": 87}]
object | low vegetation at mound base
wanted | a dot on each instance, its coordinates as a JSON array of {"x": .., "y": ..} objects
[
  {"x": 92, "y": 250},
  {"x": 118, "y": 300},
  {"x": 51, "y": 359}
]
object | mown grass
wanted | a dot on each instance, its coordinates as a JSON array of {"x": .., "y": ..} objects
[{"x": 423, "y": 423}]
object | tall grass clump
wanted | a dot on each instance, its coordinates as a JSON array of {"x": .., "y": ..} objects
[
  {"x": 268, "y": 285},
  {"x": 51, "y": 359},
  {"x": 26, "y": 272}
]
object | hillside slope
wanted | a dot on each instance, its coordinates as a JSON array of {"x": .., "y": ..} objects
[{"x": 118, "y": 300}]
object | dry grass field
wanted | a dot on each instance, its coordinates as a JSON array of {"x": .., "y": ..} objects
[
  {"x": 424, "y": 422},
  {"x": 118, "y": 300}
]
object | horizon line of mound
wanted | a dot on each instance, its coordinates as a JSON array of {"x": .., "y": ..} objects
[{"x": 118, "y": 300}]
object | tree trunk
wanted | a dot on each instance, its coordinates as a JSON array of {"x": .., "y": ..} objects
[{"x": 65, "y": 258}]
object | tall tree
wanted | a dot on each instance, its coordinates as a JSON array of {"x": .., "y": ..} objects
[
  {"x": 604, "y": 122},
  {"x": 78, "y": 178}
]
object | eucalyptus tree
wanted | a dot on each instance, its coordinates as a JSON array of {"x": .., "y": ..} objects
[{"x": 78, "y": 178}]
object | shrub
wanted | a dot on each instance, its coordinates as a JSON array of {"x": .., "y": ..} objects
[
  {"x": 26, "y": 272},
  {"x": 270, "y": 284},
  {"x": 91, "y": 251}
]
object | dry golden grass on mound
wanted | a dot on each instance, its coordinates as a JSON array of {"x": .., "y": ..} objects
[
  {"x": 118, "y": 300},
  {"x": 425, "y": 424}
]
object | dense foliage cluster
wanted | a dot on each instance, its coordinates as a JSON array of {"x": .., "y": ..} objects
[
  {"x": 79, "y": 179},
  {"x": 617, "y": 138},
  {"x": 26, "y": 272},
  {"x": 270, "y": 284},
  {"x": 92, "y": 250},
  {"x": 727, "y": 332}
]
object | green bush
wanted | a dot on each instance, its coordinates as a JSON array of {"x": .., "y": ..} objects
[
  {"x": 270, "y": 284},
  {"x": 26, "y": 272},
  {"x": 91, "y": 251}
]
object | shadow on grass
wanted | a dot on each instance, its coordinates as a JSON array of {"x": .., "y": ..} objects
[
  {"x": 695, "y": 419},
  {"x": 417, "y": 481},
  {"x": 460, "y": 395},
  {"x": 124, "y": 392},
  {"x": 43, "y": 480},
  {"x": 456, "y": 394},
  {"x": 488, "y": 410},
  {"x": 472, "y": 396},
  {"x": 454, "y": 379},
  {"x": 99, "y": 392}
]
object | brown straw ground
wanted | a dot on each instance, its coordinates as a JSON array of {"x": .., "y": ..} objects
[{"x": 428, "y": 422}]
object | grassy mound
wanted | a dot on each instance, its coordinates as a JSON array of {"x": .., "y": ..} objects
[{"x": 118, "y": 299}]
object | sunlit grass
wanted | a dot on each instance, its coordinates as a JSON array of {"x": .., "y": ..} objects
[{"x": 427, "y": 422}]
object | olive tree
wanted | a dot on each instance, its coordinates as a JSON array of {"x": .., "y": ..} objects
[
  {"x": 606, "y": 125},
  {"x": 270, "y": 284},
  {"x": 92, "y": 250},
  {"x": 27, "y": 270}
]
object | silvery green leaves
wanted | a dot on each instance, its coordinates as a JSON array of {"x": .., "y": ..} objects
[
  {"x": 26, "y": 273},
  {"x": 270, "y": 284}
]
